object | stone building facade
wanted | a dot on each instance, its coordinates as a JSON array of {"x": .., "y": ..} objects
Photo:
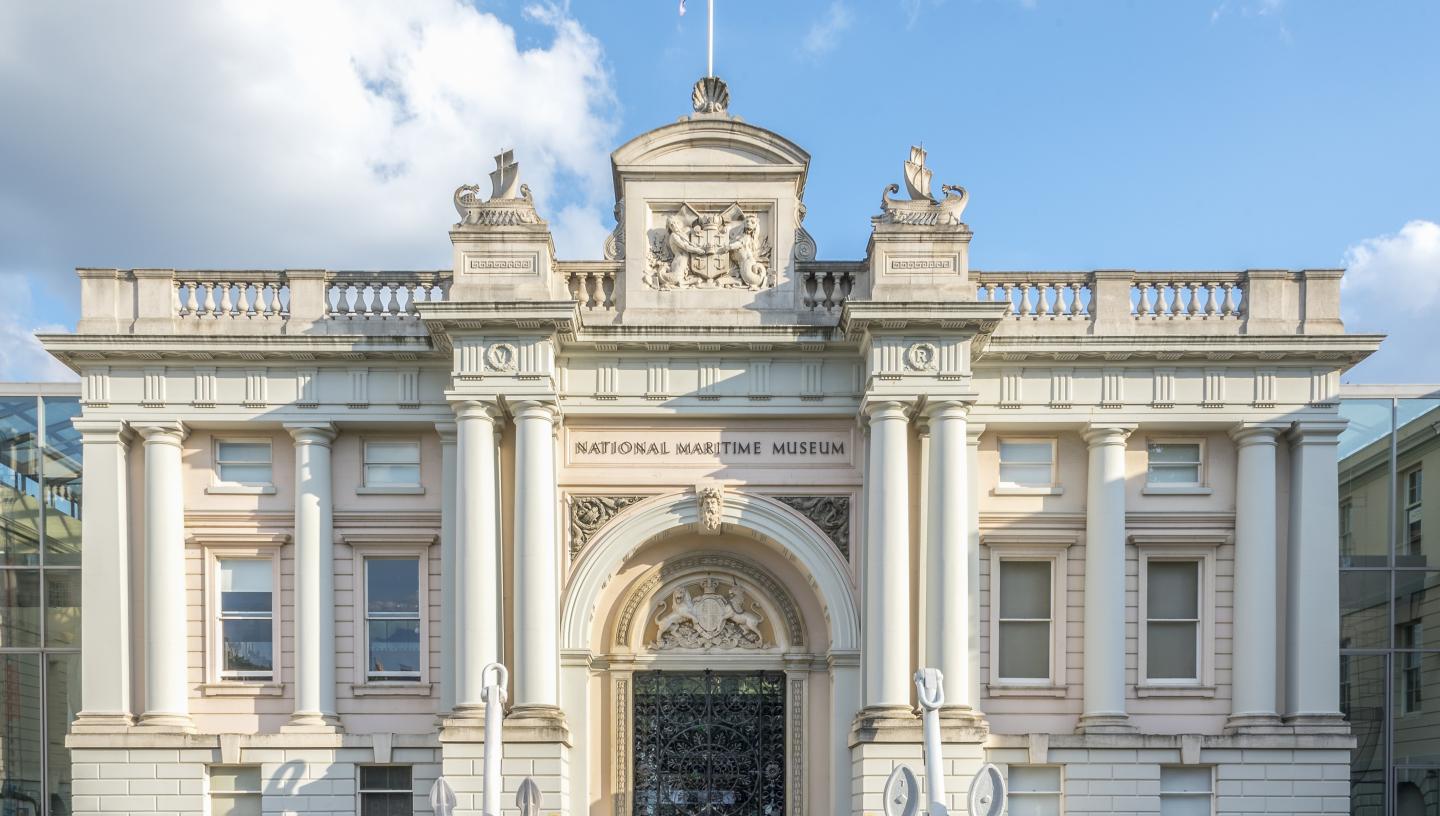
[{"x": 712, "y": 501}]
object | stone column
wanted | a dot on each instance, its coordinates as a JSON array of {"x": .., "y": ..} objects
[
  {"x": 973, "y": 431},
  {"x": 537, "y": 565},
  {"x": 1104, "y": 651},
  {"x": 844, "y": 705},
  {"x": 1255, "y": 654},
  {"x": 947, "y": 546},
  {"x": 887, "y": 565},
  {"x": 166, "y": 695},
  {"x": 448, "y": 584},
  {"x": 1312, "y": 642},
  {"x": 314, "y": 581},
  {"x": 105, "y": 580},
  {"x": 477, "y": 557}
]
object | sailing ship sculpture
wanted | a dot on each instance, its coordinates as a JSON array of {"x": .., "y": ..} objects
[{"x": 922, "y": 210}]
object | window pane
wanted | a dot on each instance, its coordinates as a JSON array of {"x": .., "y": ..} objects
[
  {"x": 253, "y": 452},
  {"x": 1179, "y": 779},
  {"x": 20, "y": 607},
  {"x": 235, "y": 805},
  {"x": 1173, "y": 589},
  {"x": 1365, "y": 609},
  {"x": 1172, "y": 453},
  {"x": 1185, "y": 805},
  {"x": 385, "y": 777},
  {"x": 1415, "y": 701},
  {"x": 1025, "y": 650},
  {"x": 1170, "y": 651},
  {"x": 392, "y": 585},
  {"x": 62, "y": 607},
  {"x": 1026, "y": 475},
  {"x": 1173, "y": 474},
  {"x": 245, "y": 474},
  {"x": 228, "y": 778},
  {"x": 19, "y": 481},
  {"x": 392, "y": 475},
  {"x": 62, "y": 703},
  {"x": 386, "y": 804},
  {"x": 20, "y": 730},
  {"x": 404, "y": 453},
  {"x": 62, "y": 482},
  {"x": 395, "y": 646},
  {"x": 1042, "y": 779},
  {"x": 245, "y": 586},
  {"x": 1024, "y": 589},
  {"x": 1417, "y": 601},
  {"x": 1027, "y": 452},
  {"x": 1029, "y": 804},
  {"x": 248, "y": 645}
]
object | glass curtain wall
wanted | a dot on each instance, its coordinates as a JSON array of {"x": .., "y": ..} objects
[
  {"x": 40, "y": 513},
  {"x": 1390, "y": 603}
]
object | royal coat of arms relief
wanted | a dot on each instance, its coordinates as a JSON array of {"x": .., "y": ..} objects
[
  {"x": 691, "y": 249},
  {"x": 707, "y": 617}
]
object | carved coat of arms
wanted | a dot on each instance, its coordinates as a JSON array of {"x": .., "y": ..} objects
[
  {"x": 709, "y": 250},
  {"x": 709, "y": 620}
]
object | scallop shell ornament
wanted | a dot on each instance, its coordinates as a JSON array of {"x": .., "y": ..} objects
[{"x": 710, "y": 96}]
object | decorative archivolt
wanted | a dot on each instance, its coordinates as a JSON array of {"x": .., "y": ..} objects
[{"x": 721, "y": 608}]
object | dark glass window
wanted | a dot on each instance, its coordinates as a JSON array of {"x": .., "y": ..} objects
[{"x": 385, "y": 790}]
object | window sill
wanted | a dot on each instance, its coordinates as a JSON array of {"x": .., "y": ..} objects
[
  {"x": 1017, "y": 690},
  {"x": 395, "y": 490},
  {"x": 1176, "y": 490},
  {"x": 1174, "y": 691},
  {"x": 240, "y": 689},
  {"x": 240, "y": 490},
  {"x": 1017, "y": 490},
  {"x": 392, "y": 689}
]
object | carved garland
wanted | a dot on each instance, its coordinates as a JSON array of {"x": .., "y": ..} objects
[
  {"x": 830, "y": 513},
  {"x": 652, "y": 582}
]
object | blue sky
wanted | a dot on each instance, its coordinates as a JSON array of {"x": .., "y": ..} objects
[{"x": 1154, "y": 135}]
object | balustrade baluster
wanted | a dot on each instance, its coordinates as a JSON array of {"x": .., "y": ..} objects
[
  {"x": 1142, "y": 307},
  {"x": 1194, "y": 309},
  {"x": 1026, "y": 307},
  {"x": 1043, "y": 308},
  {"x": 1211, "y": 306},
  {"x": 1227, "y": 309}
]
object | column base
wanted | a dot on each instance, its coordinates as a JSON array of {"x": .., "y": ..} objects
[
  {"x": 1105, "y": 724},
  {"x": 1317, "y": 723},
  {"x": 536, "y": 723},
  {"x": 165, "y": 723},
  {"x": 312, "y": 722},
  {"x": 1256, "y": 724},
  {"x": 95, "y": 723},
  {"x": 893, "y": 723},
  {"x": 960, "y": 723}
]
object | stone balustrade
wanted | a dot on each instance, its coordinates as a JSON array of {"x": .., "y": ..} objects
[
  {"x": 382, "y": 295},
  {"x": 1037, "y": 295},
  {"x": 592, "y": 283},
  {"x": 231, "y": 296},
  {"x": 828, "y": 284}
]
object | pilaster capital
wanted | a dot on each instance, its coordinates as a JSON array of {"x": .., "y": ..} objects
[
  {"x": 879, "y": 410},
  {"x": 172, "y": 432},
  {"x": 973, "y": 432},
  {"x": 103, "y": 431},
  {"x": 1107, "y": 434},
  {"x": 447, "y": 431},
  {"x": 1317, "y": 431},
  {"x": 474, "y": 409},
  {"x": 311, "y": 433},
  {"x": 1256, "y": 433}
]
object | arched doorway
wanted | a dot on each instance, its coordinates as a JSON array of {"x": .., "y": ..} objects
[{"x": 717, "y": 669}]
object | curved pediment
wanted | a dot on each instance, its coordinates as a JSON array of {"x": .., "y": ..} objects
[{"x": 705, "y": 145}]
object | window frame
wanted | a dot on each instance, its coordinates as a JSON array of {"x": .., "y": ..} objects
[
  {"x": 1004, "y": 488},
  {"x": 1058, "y": 793},
  {"x": 1199, "y": 548},
  {"x": 211, "y": 793},
  {"x": 1052, "y": 549},
  {"x": 1201, "y": 485},
  {"x": 1412, "y": 518},
  {"x": 361, "y": 790},
  {"x": 363, "y": 682},
  {"x": 1410, "y": 664},
  {"x": 1209, "y": 794},
  {"x": 249, "y": 548},
  {"x": 220, "y": 485},
  {"x": 416, "y": 489}
]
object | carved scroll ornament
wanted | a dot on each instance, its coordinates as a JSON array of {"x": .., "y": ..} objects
[{"x": 589, "y": 513}]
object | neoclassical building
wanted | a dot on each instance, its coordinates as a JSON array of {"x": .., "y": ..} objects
[{"x": 712, "y": 501}]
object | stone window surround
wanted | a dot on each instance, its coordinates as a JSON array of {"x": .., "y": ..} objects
[
  {"x": 1054, "y": 549},
  {"x": 1054, "y": 488},
  {"x": 219, "y": 487},
  {"x": 1200, "y": 488},
  {"x": 400, "y": 547},
  {"x": 417, "y": 489},
  {"x": 1178, "y": 546},
  {"x": 258, "y": 546}
]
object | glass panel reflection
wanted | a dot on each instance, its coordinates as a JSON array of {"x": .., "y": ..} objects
[
  {"x": 62, "y": 703},
  {"x": 62, "y": 483},
  {"x": 21, "y": 751},
  {"x": 1365, "y": 609},
  {"x": 19, "y": 482},
  {"x": 1365, "y": 483}
]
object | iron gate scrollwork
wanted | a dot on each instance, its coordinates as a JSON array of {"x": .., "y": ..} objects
[{"x": 709, "y": 744}]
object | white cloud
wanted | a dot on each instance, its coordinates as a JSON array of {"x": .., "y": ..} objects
[
  {"x": 328, "y": 133},
  {"x": 21, "y": 357},
  {"x": 1392, "y": 285},
  {"x": 825, "y": 31}
]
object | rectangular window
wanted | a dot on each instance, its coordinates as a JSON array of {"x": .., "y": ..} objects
[
  {"x": 1027, "y": 463},
  {"x": 246, "y": 618},
  {"x": 1172, "y": 620},
  {"x": 234, "y": 791},
  {"x": 1345, "y": 683},
  {"x": 1034, "y": 790},
  {"x": 385, "y": 790},
  {"x": 244, "y": 462},
  {"x": 1186, "y": 791},
  {"x": 1347, "y": 522},
  {"x": 392, "y": 619},
  {"x": 1409, "y": 636},
  {"x": 392, "y": 463},
  {"x": 1173, "y": 464},
  {"x": 1024, "y": 621},
  {"x": 1414, "y": 490}
]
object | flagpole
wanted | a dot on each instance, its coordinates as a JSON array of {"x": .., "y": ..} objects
[{"x": 710, "y": 43}]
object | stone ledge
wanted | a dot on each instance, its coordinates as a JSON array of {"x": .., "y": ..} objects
[{"x": 1290, "y": 741}]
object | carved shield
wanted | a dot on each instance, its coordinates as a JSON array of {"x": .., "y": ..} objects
[{"x": 711, "y": 613}]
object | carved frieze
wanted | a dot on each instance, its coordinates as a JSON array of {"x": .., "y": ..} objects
[
  {"x": 589, "y": 513},
  {"x": 710, "y": 617},
  {"x": 830, "y": 513},
  {"x": 697, "y": 248}
]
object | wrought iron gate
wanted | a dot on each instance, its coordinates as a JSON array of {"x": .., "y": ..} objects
[{"x": 709, "y": 744}]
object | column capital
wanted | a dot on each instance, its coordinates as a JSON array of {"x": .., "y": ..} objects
[
  {"x": 886, "y": 409},
  {"x": 311, "y": 433},
  {"x": 103, "y": 431},
  {"x": 474, "y": 409},
  {"x": 1316, "y": 431},
  {"x": 534, "y": 409},
  {"x": 171, "y": 432},
  {"x": 1256, "y": 433},
  {"x": 946, "y": 409},
  {"x": 1107, "y": 434}
]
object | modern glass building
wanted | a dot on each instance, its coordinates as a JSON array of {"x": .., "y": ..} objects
[
  {"x": 40, "y": 513},
  {"x": 1390, "y": 597}
]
